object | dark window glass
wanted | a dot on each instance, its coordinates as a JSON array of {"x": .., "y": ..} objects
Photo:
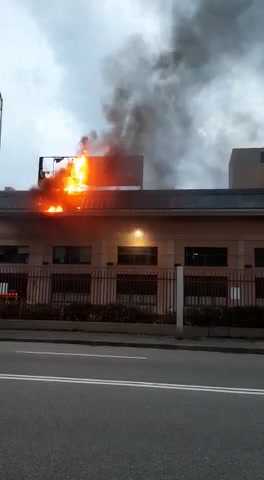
[
  {"x": 136, "y": 284},
  {"x": 259, "y": 257},
  {"x": 71, "y": 283},
  {"x": 72, "y": 255},
  {"x": 205, "y": 286},
  {"x": 13, "y": 254},
  {"x": 206, "y": 257},
  {"x": 137, "y": 255}
]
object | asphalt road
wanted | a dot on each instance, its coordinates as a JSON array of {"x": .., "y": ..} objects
[{"x": 99, "y": 413}]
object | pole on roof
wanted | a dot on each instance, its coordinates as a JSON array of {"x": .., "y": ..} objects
[{"x": 1, "y": 114}]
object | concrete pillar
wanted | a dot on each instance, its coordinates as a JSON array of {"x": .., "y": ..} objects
[
  {"x": 239, "y": 288},
  {"x": 171, "y": 280},
  {"x": 99, "y": 291},
  {"x": 171, "y": 252},
  {"x": 36, "y": 253},
  {"x": 241, "y": 254},
  {"x": 180, "y": 301},
  {"x": 103, "y": 254}
]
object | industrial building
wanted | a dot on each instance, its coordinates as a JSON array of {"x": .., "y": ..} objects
[{"x": 126, "y": 245}]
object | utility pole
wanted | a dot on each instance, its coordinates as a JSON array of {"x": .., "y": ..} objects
[{"x": 1, "y": 114}]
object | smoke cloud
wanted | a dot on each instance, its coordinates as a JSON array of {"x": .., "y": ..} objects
[
  {"x": 185, "y": 87},
  {"x": 187, "y": 106}
]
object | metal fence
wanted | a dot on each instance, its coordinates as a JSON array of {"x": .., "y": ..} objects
[
  {"x": 223, "y": 288},
  {"x": 224, "y": 298},
  {"x": 153, "y": 292}
]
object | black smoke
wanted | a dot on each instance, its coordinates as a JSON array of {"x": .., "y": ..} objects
[{"x": 153, "y": 98}]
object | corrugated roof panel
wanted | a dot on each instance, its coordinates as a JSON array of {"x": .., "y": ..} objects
[{"x": 146, "y": 200}]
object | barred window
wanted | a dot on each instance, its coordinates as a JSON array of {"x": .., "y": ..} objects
[
  {"x": 15, "y": 283},
  {"x": 127, "y": 284},
  {"x": 71, "y": 283},
  {"x": 259, "y": 287},
  {"x": 206, "y": 286},
  {"x": 137, "y": 289}
]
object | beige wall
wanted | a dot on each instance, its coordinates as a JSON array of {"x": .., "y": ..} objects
[
  {"x": 246, "y": 169},
  {"x": 171, "y": 235}
]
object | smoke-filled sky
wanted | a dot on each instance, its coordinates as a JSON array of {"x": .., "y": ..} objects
[{"x": 180, "y": 81}]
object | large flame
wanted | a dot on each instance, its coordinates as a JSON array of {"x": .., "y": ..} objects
[{"x": 76, "y": 179}]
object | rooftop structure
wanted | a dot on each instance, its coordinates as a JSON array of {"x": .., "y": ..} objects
[{"x": 246, "y": 168}]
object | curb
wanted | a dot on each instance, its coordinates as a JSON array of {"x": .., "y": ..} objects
[{"x": 163, "y": 346}]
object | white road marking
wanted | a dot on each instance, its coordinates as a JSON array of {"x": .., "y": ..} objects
[
  {"x": 123, "y": 383},
  {"x": 79, "y": 355}
]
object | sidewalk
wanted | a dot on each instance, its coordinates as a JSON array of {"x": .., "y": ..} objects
[{"x": 140, "y": 341}]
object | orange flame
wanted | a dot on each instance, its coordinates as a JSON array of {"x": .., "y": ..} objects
[
  {"x": 79, "y": 171},
  {"x": 53, "y": 209},
  {"x": 74, "y": 180}
]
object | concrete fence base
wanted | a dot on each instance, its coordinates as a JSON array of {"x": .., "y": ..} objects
[
  {"x": 133, "y": 328},
  {"x": 100, "y": 327},
  {"x": 223, "y": 332}
]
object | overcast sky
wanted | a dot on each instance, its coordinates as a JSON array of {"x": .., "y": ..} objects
[
  {"x": 51, "y": 55},
  {"x": 51, "y": 77}
]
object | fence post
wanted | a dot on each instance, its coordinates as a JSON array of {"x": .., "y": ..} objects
[{"x": 179, "y": 301}]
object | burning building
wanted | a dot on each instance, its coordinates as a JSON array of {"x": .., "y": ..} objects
[
  {"x": 91, "y": 233},
  {"x": 61, "y": 178}
]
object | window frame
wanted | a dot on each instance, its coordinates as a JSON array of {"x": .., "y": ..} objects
[
  {"x": 15, "y": 260},
  {"x": 255, "y": 257},
  {"x": 69, "y": 255},
  {"x": 137, "y": 257},
  {"x": 204, "y": 256}
]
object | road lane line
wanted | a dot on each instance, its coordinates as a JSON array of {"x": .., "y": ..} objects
[
  {"x": 79, "y": 355},
  {"x": 124, "y": 383}
]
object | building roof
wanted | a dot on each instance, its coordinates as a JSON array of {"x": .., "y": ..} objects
[{"x": 114, "y": 201}]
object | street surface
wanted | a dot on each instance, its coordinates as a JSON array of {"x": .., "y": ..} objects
[{"x": 102, "y": 413}]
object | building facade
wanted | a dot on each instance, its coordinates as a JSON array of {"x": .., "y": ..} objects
[
  {"x": 127, "y": 246},
  {"x": 193, "y": 241}
]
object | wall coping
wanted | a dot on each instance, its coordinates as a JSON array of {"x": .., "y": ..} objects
[{"x": 133, "y": 328}]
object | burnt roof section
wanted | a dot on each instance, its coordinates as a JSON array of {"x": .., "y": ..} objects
[{"x": 140, "y": 200}]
